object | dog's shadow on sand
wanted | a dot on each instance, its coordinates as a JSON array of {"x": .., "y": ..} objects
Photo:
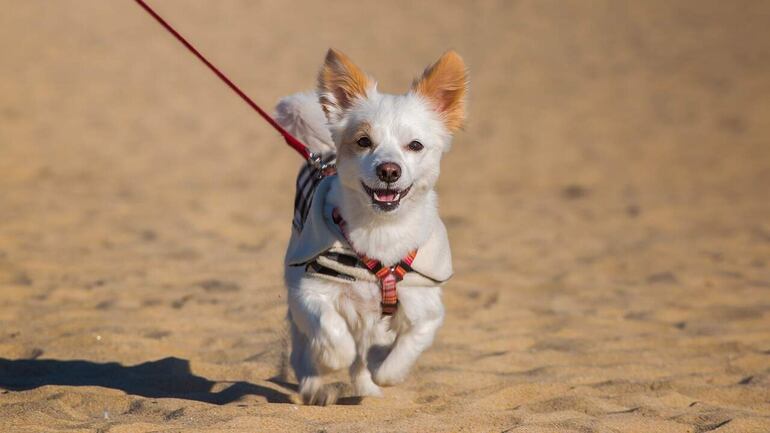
[{"x": 165, "y": 378}]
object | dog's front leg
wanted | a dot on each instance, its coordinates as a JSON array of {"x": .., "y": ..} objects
[
  {"x": 371, "y": 331},
  {"x": 419, "y": 316},
  {"x": 321, "y": 340}
]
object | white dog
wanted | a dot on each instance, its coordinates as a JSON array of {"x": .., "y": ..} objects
[{"x": 368, "y": 251}]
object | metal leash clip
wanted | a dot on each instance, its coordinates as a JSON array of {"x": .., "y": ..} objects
[{"x": 324, "y": 168}]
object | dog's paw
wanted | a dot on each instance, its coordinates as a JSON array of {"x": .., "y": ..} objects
[
  {"x": 313, "y": 391},
  {"x": 367, "y": 388},
  {"x": 388, "y": 375}
]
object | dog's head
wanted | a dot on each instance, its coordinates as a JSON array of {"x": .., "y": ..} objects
[{"x": 389, "y": 146}]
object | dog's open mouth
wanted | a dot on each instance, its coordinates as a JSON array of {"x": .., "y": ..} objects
[{"x": 387, "y": 199}]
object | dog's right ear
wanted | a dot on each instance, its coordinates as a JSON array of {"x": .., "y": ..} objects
[{"x": 340, "y": 82}]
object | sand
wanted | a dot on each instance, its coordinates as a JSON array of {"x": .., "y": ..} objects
[{"x": 608, "y": 205}]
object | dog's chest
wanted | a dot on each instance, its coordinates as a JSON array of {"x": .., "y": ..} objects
[{"x": 362, "y": 295}]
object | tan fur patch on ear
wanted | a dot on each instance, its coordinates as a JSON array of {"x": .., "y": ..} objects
[
  {"x": 340, "y": 82},
  {"x": 445, "y": 84}
]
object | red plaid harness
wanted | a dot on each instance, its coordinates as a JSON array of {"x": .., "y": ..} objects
[{"x": 388, "y": 276}]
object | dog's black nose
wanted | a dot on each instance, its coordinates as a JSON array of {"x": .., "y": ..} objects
[{"x": 389, "y": 172}]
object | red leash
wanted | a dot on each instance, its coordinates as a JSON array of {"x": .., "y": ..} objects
[{"x": 291, "y": 140}]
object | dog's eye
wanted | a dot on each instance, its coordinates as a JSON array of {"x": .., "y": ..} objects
[
  {"x": 364, "y": 142},
  {"x": 415, "y": 146}
]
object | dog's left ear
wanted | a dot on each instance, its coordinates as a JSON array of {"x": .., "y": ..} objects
[{"x": 445, "y": 85}]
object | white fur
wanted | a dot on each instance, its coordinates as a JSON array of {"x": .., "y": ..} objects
[
  {"x": 334, "y": 325},
  {"x": 301, "y": 115}
]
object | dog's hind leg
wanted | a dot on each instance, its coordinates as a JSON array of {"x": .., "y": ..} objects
[
  {"x": 419, "y": 317},
  {"x": 362, "y": 379},
  {"x": 360, "y": 374},
  {"x": 300, "y": 359}
]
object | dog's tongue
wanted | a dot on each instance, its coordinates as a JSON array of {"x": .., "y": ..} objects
[{"x": 386, "y": 196}]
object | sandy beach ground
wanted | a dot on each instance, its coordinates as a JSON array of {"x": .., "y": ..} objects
[{"x": 608, "y": 205}]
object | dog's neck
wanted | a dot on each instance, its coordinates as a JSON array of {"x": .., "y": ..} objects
[{"x": 384, "y": 237}]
